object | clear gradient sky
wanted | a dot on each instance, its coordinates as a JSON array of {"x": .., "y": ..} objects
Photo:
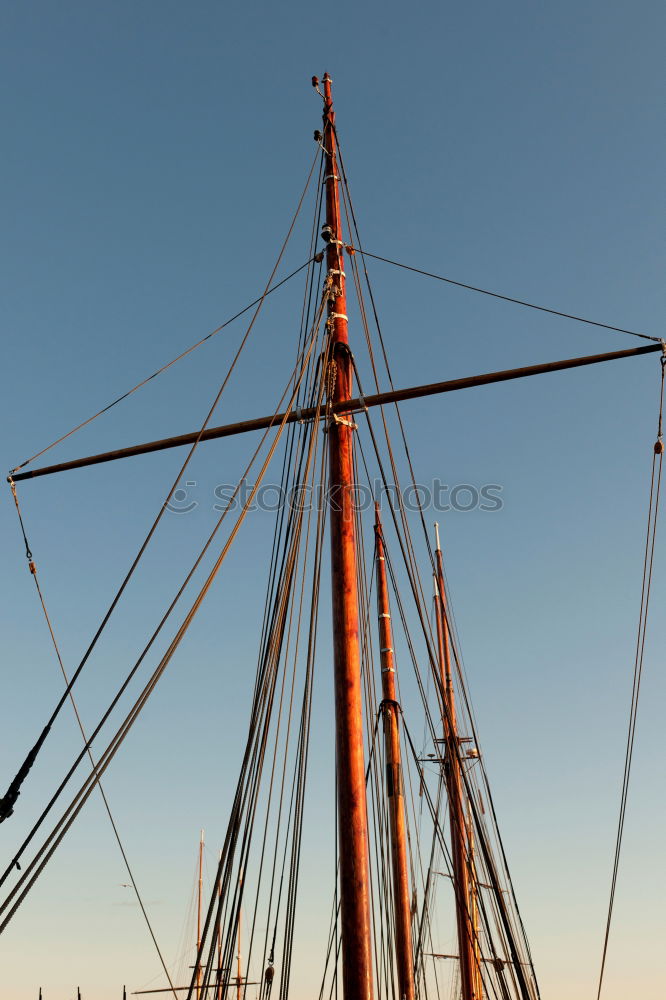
[{"x": 152, "y": 156}]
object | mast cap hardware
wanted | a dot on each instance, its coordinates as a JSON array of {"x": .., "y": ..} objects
[
  {"x": 336, "y": 270},
  {"x": 386, "y": 649},
  {"x": 338, "y": 316},
  {"x": 388, "y": 670},
  {"x": 383, "y": 614},
  {"x": 327, "y": 234},
  {"x": 335, "y": 419},
  {"x": 389, "y": 703},
  {"x": 331, "y": 177}
]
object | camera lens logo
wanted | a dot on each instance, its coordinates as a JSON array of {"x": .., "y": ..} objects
[{"x": 181, "y": 501}]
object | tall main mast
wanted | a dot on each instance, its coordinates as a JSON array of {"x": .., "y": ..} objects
[{"x": 352, "y": 807}]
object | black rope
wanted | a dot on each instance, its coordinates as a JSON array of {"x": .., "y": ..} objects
[
  {"x": 505, "y": 298},
  {"x": 7, "y": 803},
  {"x": 120, "y": 735},
  {"x": 164, "y": 368}
]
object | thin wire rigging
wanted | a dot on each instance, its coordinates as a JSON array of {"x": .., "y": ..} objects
[
  {"x": 107, "y": 807},
  {"x": 648, "y": 562},
  {"x": 505, "y": 298},
  {"x": 8, "y": 800},
  {"x": 149, "y": 378}
]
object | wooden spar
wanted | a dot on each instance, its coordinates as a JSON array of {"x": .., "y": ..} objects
[
  {"x": 351, "y": 406},
  {"x": 352, "y": 807},
  {"x": 199, "y": 901},
  {"x": 396, "y": 801},
  {"x": 453, "y": 778}
]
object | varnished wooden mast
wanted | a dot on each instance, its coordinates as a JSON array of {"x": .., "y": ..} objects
[
  {"x": 396, "y": 801},
  {"x": 468, "y": 977},
  {"x": 352, "y": 809}
]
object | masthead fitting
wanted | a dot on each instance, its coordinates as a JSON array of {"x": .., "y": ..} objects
[
  {"x": 437, "y": 536},
  {"x": 378, "y": 520}
]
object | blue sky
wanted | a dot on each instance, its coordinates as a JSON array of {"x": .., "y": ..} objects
[{"x": 153, "y": 154}]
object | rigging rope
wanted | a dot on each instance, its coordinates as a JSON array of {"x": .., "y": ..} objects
[
  {"x": 116, "y": 833},
  {"x": 648, "y": 561},
  {"x": 149, "y": 378},
  {"x": 409, "y": 558},
  {"x": 7, "y": 803},
  {"x": 505, "y": 298},
  {"x": 169, "y": 610},
  {"x": 63, "y": 825}
]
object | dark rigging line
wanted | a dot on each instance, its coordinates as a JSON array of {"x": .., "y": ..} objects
[
  {"x": 159, "y": 371},
  {"x": 505, "y": 298},
  {"x": 653, "y": 512},
  {"x": 149, "y": 644},
  {"x": 7, "y": 802},
  {"x": 64, "y": 823},
  {"x": 33, "y": 571}
]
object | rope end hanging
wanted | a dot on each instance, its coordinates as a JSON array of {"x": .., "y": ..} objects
[
  {"x": 28, "y": 552},
  {"x": 659, "y": 443}
]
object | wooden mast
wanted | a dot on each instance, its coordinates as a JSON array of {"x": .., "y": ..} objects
[
  {"x": 454, "y": 790},
  {"x": 390, "y": 712},
  {"x": 350, "y": 763}
]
